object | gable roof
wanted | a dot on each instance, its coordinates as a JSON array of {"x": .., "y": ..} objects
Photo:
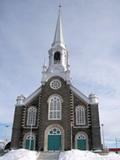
[
  {"x": 32, "y": 96},
  {"x": 79, "y": 94}
]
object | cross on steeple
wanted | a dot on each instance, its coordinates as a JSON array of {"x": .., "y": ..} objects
[
  {"x": 60, "y": 6},
  {"x": 58, "y": 37},
  {"x": 58, "y": 55}
]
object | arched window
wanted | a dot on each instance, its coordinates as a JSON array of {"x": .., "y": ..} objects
[
  {"x": 31, "y": 116},
  {"x": 54, "y": 107},
  {"x": 57, "y": 57},
  {"x": 80, "y": 115}
]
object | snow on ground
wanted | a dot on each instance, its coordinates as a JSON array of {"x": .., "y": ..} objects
[
  {"x": 20, "y": 154},
  {"x": 2, "y": 144},
  {"x": 87, "y": 155}
]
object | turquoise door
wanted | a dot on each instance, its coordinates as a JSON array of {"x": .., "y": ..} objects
[
  {"x": 29, "y": 144},
  {"x": 54, "y": 142},
  {"x": 81, "y": 144}
]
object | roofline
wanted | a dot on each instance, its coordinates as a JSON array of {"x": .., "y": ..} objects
[
  {"x": 74, "y": 90},
  {"x": 80, "y": 94},
  {"x": 30, "y": 97}
]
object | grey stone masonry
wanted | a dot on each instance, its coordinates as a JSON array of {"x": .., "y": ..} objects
[
  {"x": 95, "y": 132},
  {"x": 16, "y": 130},
  {"x": 65, "y": 122}
]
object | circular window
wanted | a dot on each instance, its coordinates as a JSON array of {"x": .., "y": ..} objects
[{"x": 55, "y": 84}]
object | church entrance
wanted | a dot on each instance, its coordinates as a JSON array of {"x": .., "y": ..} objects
[
  {"x": 81, "y": 142},
  {"x": 54, "y": 139},
  {"x": 30, "y": 142}
]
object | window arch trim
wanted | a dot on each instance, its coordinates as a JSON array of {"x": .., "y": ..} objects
[{"x": 56, "y": 96}]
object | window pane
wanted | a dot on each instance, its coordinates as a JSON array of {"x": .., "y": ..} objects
[
  {"x": 31, "y": 116},
  {"x": 80, "y": 115},
  {"x": 56, "y": 108}
]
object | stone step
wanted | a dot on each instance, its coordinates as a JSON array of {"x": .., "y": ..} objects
[{"x": 48, "y": 156}]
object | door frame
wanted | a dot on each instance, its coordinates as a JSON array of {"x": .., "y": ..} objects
[
  {"x": 34, "y": 139},
  {"x": 56, "y": 144},
  {"x": 86, "y": 136},
  {"x": 46, "y": 136}
]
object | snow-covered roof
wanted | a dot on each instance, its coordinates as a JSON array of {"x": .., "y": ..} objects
[
  {"x": 32, "y": 96},
  {"x": 80, "y": 94}
]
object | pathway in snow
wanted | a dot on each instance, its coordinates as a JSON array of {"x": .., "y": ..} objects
[{"x": 48, "y": 156}]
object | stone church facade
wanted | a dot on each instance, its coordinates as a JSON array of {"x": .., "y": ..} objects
[{"x": 56, "y": 116}]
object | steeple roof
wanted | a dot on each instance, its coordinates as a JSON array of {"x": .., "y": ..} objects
[{"x": 59, "y": 38}]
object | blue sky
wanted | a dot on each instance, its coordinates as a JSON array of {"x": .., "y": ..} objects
[{"x": 92, "y": 36}]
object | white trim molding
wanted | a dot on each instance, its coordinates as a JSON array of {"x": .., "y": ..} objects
[
  {"x": 80, "y": 94},
  {"x": 82, "y": 135},
  {"x": 27, "y": 135},
  {"x": 47, "y": 132}
]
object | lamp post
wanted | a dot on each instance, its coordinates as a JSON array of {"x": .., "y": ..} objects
[
  {"x": 103, "y": 138},
  {"x": 6, "y": 132},
  {"x": 116, "y": 144}
]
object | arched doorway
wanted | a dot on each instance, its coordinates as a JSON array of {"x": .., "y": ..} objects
[
  {"x": 81, "y": 141},
  {"x": 54, "y": 138},
  {"x": 29, "y": 141}
]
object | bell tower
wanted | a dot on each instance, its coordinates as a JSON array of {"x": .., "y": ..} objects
[{"x": 58, "y": 55}]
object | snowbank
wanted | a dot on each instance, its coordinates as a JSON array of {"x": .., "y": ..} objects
[
  {"x": 87, "y": 155},
  {"x": 2, "y": 144},
  {"x": 20, "y": 154}
]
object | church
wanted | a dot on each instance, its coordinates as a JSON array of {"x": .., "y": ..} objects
[{"x": 56, "y": 116}]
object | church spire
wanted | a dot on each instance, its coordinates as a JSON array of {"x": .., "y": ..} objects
[
  {"x": 58, "y": 37},
  {"x": 58, "y": 56}
]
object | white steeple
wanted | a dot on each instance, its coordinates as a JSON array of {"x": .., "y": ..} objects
[
  {"x": 58, "y": 55},
  {"x": 58, "y": 38}
]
